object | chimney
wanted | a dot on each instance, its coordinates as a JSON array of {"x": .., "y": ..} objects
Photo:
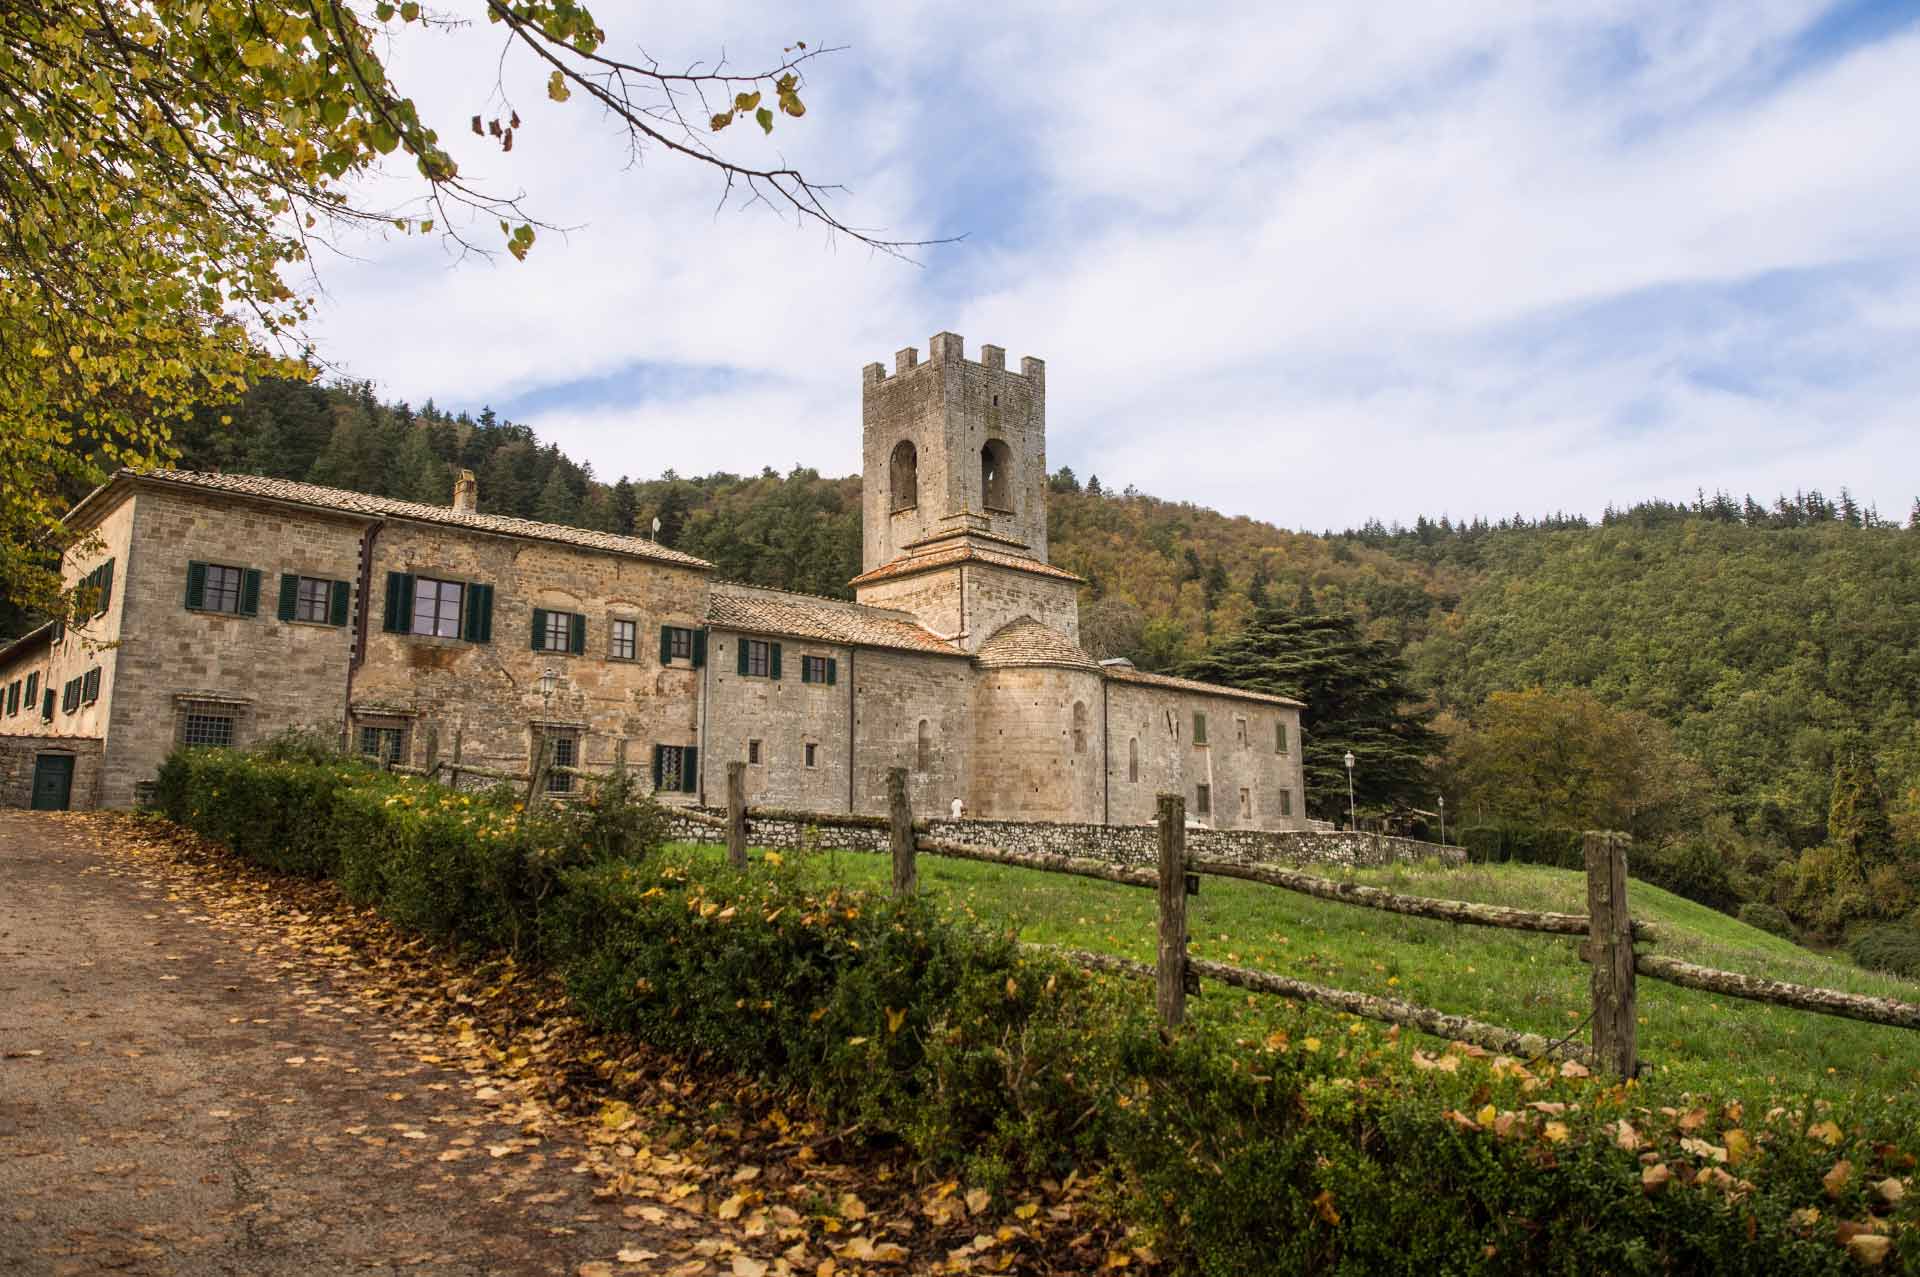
[{"x": 466, "y": 493}]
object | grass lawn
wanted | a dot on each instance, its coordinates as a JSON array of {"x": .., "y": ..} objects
[{"x": 1696, "y": 1042}]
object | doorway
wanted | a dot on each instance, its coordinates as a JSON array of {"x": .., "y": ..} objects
[{"x": 52, "y": 782}]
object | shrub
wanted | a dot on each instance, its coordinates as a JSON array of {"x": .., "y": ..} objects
[
  {"x": 1692, "y": 868},
  {"x": 1767, "y": 918},
  {"x": 1890, "y": 947},
  {"x": 1525, "y": 844}
]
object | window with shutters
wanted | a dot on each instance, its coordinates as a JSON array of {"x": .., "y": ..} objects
[
  {"x": 759, "y": 658},
  {"x": 679, "y": 643},
  {"x": 1203, "y": 800},
  {"x": 675, "y": 769},
  {"x": 556, "y": 632},
  {"x": 223, "y": 589},
  {"x": 436, "y": 607},
  {"x": 70, "y": 696},
  {"x": 90, "y": 686},
  {"x": 1199, "y": 728},
  {"x": 817, "y": 669},
  {"x": 13, "y": 697},
  {"x": 623, "y": 641},
  {"x": 1280, "y": 738},
  {"x": 33, "y": 689}
]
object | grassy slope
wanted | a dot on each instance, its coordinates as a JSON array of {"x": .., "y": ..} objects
[{"x": 1697, "y": 1042}]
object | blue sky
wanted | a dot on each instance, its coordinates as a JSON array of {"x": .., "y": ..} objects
[{"x": 1311, "y": 263}]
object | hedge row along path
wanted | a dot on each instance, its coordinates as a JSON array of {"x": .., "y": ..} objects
[{"x": 204, "y": 1068}]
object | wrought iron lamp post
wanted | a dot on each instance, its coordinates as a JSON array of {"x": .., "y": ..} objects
[{"x": 1353, "y": 821}]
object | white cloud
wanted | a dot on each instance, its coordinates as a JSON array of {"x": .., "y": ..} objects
[{"x": 1311, "y": 263}]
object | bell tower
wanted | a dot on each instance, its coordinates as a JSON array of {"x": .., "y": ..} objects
[{"x": 955, "y": 476}]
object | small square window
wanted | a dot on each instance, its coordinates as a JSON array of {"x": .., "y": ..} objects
[
  {"x": 759, "y": 658},
  {"x": 624, "y": 645},
  {"x": 753, "y": 752},
  {"x": 813, "y": 756},
  {"x": 1203, "y": 800},
  {"x": 815, "y": 669},
  {"x": 557, "y": 636},
  {"x": 680, "y": 644},
  {"x": 204, "y": 727},
  {"x": 1199, "y": 728},
  {"x": 313, "y": 600},
  {"x": 383, "y": 744}
]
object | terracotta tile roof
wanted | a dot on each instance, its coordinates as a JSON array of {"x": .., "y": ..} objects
[
  {"x": 310, "y": 494},
  {"x": 779, "y": 612},
  {"x": 1026, "y": 642},
  {"x": 40, "y": 635},
  {"x": 962, "y": 554},
  {"x": 1127, "y": 674}
]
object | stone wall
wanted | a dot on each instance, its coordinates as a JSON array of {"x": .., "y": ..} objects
[
  {"x": 1239, "y": 753},
  {"x": 1029, "y": 762},
  {"x": 19, "y": 753},
  {"x": 1119, "y": 844}
]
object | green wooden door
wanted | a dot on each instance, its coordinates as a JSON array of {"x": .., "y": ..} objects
[{"x": 52, "y": 782}]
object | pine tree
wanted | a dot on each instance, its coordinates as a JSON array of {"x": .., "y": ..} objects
[
  {"x": 557, "y": 504},
  {"x": 1913, "y": 519},
  {"x": 1358, "y": 698},
  {"x": 626, "y": 507},
  {"x": 420, "y": 475},
  {"x": 1093, "y": 486}
]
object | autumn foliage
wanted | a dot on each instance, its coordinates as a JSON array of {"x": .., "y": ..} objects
[{"x": 998, "y": 1064}]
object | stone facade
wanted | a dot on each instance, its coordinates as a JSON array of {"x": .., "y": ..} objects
[
  {"x": 242, "y": 606},
  {"x": 21, "y": 755}
]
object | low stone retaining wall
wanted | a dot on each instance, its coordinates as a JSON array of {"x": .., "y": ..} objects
[
  {"x": 1118, "y": 844},
  {"x": 19, "y": 754}
]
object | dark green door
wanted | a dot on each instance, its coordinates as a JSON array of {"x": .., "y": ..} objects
[{"x": 52, "y": 782}]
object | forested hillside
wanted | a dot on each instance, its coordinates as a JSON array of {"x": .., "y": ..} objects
[{"x": 1739, "y": 660}]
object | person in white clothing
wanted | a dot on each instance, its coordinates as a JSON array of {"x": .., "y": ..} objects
[{"x": 959, "y": 809}]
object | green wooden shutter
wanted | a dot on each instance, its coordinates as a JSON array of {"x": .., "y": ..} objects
[
  {"x": 773, "y": 659},
  {"x": 196, "y": 586},
  {"x": 59, "y": 632},
  {"x": 399, "y": 615},
  {"x": 833, "y": 671},
  {"x": 659, "y": 765},
  {"x": 46, "y": 706},
  {"x": 666, "y": 644},
  {"x": 250, "y": 592},
  {"x": 106, "y": 586},
  {"x": 806, "y": 670},
  {"x": 340, "y": 602},
  {"x": 289, "y": 595},
  {"x": 579, "y": 633},
  {"x": 699, "y": 648},
  {"x": 740, "y": 644},
  {"x": 479, "y": 628},
  {"x": 539, "y": 639},
  {"x": 689, "y": 770}
]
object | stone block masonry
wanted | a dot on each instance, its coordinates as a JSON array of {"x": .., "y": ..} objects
[
  {"x": 1130, "y": 845},
  {"x": 19, "y": 754}
]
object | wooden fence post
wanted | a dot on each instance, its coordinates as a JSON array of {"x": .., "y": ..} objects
[
  {"x": 906, "y": 875},
  {"x": 737, "y": 814},
  {"x": 537, "y": 783},
  {"x": 1610, "y": 939},
  {"x": 1171, "y": 969}
]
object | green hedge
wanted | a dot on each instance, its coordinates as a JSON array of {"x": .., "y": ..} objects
[{"x": 986, "y": 1060}]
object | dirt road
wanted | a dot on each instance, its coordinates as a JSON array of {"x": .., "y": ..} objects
[{"x": 183, "y": 1092}]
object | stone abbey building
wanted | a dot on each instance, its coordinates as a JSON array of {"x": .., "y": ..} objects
[{"x": 229, "y": 607}]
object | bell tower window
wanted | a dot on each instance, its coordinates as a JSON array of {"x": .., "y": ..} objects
[
  {"x": 996, "y": 479},
  {"x": 904, "y": 473}
]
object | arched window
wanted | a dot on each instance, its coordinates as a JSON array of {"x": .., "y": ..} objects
[
  {"x": 923, "y": 752},
  {"x": 904, "y": 471},
  {"x": 996, "y": 477},
  {"x": 1079, "y": 727},
  {"x": 1133, "y": 760}
]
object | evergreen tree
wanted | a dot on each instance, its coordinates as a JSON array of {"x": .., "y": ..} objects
[
  {"x": 557, "y": 504},
  {"x": 1064, "y": 480},
  {"x": 1358, "y": 698},
  {"x": 1093, "y": 486},
  {"x": 672, "y": 513},
  {"x": 419, "y": 474},
  {"x": 626, "y": 507},
  {"x": 1857, "y": 816},
  {"x": 1913, "y": 519},
  {"x": 596, "y": 509}
]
